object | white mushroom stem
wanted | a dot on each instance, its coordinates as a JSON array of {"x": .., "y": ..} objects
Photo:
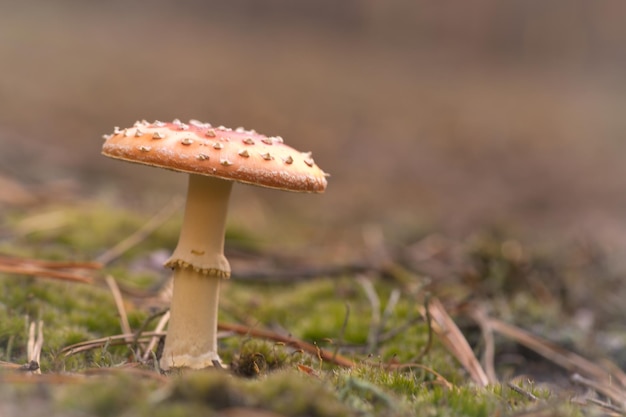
[
  {"x": 201, "y": 241},
  {"x": 199, "y": 266}
]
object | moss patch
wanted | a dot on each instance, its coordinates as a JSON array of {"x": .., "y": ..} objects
[{"x": 335, "y": 313}]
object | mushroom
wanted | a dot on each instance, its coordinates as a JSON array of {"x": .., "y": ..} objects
[{"x": 213, "y": 157}]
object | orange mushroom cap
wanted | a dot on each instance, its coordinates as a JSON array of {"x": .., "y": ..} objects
[{"x": 199, "y": 148}]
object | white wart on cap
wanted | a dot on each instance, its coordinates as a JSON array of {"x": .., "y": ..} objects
[{"x": 199, "y": 148}]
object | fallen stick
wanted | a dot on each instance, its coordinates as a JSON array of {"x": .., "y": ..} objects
[
  {"x": 45, "y": 273},
  {"x": 288, "y": 340},
  {"x": 42, "y": 263},
  {"x": 551, "y": 351},
  {"x": 122, "y": 339},
  {"x": 453, "y": 339}
]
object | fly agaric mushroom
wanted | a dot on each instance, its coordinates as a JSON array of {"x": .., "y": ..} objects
[{"x": 214, "y": 157}]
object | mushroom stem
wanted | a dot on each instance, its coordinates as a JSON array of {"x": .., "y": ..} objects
[
  {"x": 201, "y": 242},
  {"x": 199, "y": 265},
  {"x": 191, "y": 340}
]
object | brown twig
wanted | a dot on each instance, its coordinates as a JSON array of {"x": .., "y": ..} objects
[
  {"x": 159, "y": 329},
  {"x": 454, "y": 341},
  {"x": 586, "y": 372},
  {"x": 42, "y": 263},
  {"x": 551, "y": 351},
  {"x": 521, "y": 391},
  {"x": 617, "y": 411},
  {"x": 116, "y": 340},
  {"x": 122, "y": 339},
  {"x": 610, "y": 391},
  {"x": 45, "y": 273},
  {"x": 288, "y": 340},
  {"x": 35, "y": 344},
  {"x": 615, "y": 371},
  {"x": 119, "y": 304},
  {"x": 480, "y": 316}
]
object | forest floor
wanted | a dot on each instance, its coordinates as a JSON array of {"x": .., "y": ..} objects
[
  {"x": 489, "y": 325},
  {"x": 466, "y": 259}
]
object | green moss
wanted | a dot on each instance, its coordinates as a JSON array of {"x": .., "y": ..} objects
[
  {"x": 175, "y": 409},
  {"x": 288, "y": 392},
  {"x": 314, "y": 310},
  {"x": 215, "y": 388},
  {"x": 256, "y": 358},
  {"x": 104, "y": 396},
  {"x": 263, "y": 374},
  {"x": 70, "y": 313},
  {"x": 297, "y": 394}
]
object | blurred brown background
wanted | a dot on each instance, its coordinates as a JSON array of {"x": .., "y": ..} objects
[{"x": 429, "y": 115}]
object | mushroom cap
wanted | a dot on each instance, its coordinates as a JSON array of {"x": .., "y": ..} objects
[{"x": 199, "y": 148}]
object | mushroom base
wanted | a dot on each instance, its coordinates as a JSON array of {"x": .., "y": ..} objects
[
  {"x": 191, "y": 336},
  {"x": 191, "y": 362}
]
